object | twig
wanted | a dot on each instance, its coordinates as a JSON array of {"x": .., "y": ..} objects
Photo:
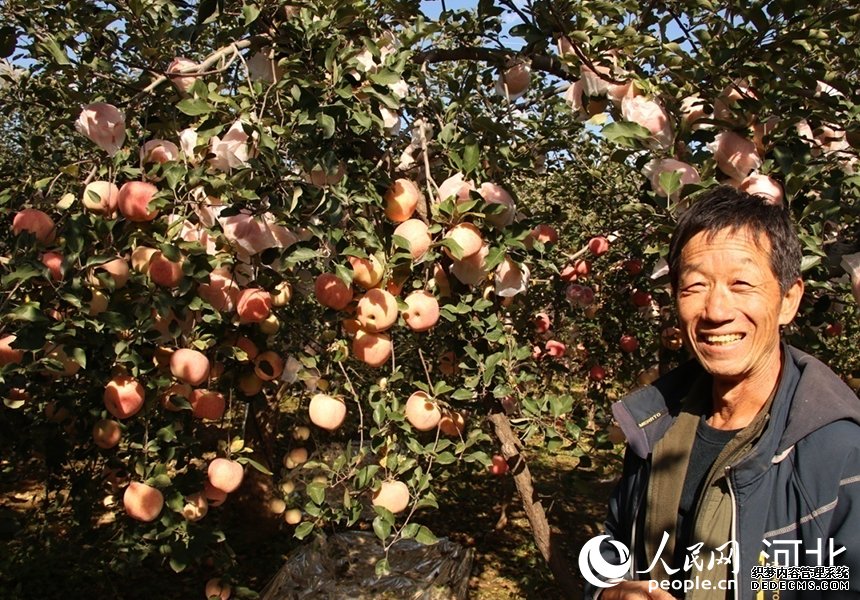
[
  {"x": 203, "y": 67},
  {"x": 549, "y": 64},
  {"x": 92, "y": 174},
  {"x": 426, "y": 370},
  {"x": 358, "y": 403}
]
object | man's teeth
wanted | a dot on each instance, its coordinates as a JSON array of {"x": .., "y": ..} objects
[{"x": 723, "y": 339}]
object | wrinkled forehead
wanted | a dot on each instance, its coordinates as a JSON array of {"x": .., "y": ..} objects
[{"x": 757, "y": 238}]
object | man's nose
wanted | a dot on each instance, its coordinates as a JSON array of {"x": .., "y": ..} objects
[{"x": 719, "y": 307}]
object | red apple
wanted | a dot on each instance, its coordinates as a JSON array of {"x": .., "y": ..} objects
[
  {"x": 641, "y": 298},
  {"x": 555, "y": 348},
  {"x": 133, "y": 201},
  {"x": 422, "y": 311},
  {"x": 377, "y": 310},
  {"x": 9, "y": 355},
  {"x": 499, "y": 466},
  {"x": 597, "y": 373},
  {"x": 542, "y": 322},
  {"x": 54, "y": 262},
  {"x": 165, "y": 272},
  {"x": 598, "y": 246},
  {"x": 36, "y": 222},
  {"x": 207, "y": 404},
  {"x": 190, "y": 366},
  {"x": 142, "y": 502},
  {"x": 629, "y": 343},
  {"x": 332, "y": 292},
  {"x": 834, "y": 329},
  {"x": 225, "y": 475},
  {"x": 100, "y": 197},
  {"x": 123, "y": 396},
  {"x": 106, "y": 433},
  {"x": 633, "y": 266}
]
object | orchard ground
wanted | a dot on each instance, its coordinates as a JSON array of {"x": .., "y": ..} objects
[{"x": 42, "y": 557}]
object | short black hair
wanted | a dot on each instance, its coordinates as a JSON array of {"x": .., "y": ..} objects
[{"x": 724, "y": 207}]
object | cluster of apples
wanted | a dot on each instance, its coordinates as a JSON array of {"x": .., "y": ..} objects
[
  {"x": 124, "y": 397},
  {"x": 144, "y": 502},
  {"x": 542, "y": 323},
  {"x": 422, "y": 412},
  {"x": 425, "y": 414},
  {"x": 376, "y": 310}
]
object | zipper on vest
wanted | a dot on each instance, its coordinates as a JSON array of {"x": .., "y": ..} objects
[
  {"x": 632, "y": 571},
  {"x": 735, "y": 559}
]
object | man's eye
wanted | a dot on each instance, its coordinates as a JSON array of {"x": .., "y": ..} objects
[
  {"x": 742, "y": 283},
  {"x": 692, "y": 287}
]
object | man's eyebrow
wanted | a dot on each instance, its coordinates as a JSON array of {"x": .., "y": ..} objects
[
  {"x": 690, "y": 267},
  {"x": 685, "y": 268}
]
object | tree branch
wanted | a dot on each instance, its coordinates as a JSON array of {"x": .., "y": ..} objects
[
  {"x": 549, "y": 64},
  {"x": 203, "y": 67},
  {"x": 546, "y": 542}
]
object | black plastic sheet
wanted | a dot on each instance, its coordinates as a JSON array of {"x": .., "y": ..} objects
[{"x": 343, "y": 566}]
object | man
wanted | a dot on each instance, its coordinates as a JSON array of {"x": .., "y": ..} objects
[{"x": 748, "y": 455}]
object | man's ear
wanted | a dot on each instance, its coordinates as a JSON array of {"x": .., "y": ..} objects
[{"x": 790, "y": 302}]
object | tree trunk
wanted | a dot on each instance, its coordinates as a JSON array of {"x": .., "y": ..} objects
[{"x": 545, "y": 540}]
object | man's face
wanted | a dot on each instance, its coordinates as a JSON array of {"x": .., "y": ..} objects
[{"x": 730, "y": 306}]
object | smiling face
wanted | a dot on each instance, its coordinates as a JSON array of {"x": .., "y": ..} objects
[{"x": 730, "y": 306}]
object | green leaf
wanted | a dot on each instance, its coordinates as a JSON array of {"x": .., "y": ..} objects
[
  {"x": 247, "y": 461},
  {"x": 27, "y": 312},
  {"x": 166, "y": 434},
  {"x": 177, "y": 565},
  {"x": 487, "y": 124},
  {"x": 381, "y": 528},
  {"x": 425, "y": 536},
  {"x": 471, "y": 157},
  {"x": 670, "y": 181},
  {"x": 22, "y": 273},
  {"x": 364, "y": 475},
  {"x": 303, "y": 530},
  {"x": 619, "y": 131},
  {"x": 174, "y": 174},
  {"x": 194, "y": 107},
  {"x": 302, "y": 255},
  {"x": 446, "y": 458},
  {"x": 409, "y": 530},
  {"x": 80, "y": 357},
  {"x": 57, "y": 52},
  {"x": 560, "y": 405},
  {"x": 250, "y": 12},
  {"x": 809, "y": 262},
  {"x": 455, "y": 248},
  {"x": 427, "y": 502},
  {"x": 8, "y": 39},
  {"x": 385, "y": 77},
  {"x": 327, "y": 123},
  {"x": 382, "y": 567},
  {"x": 170, "y": 252},
  {"x": 494, "y": 257},
  {"x": 316, "y": 491},
  {"x": 482, "y": 305},
  {"x": 208, "y": 11},
  {"x": 347, "y": 499},
  {"x": 462, "y": 394},
  {"x": 159, "y": 481}
]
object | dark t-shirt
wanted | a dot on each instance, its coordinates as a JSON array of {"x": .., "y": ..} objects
[{"x": 707, "y": 446}]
